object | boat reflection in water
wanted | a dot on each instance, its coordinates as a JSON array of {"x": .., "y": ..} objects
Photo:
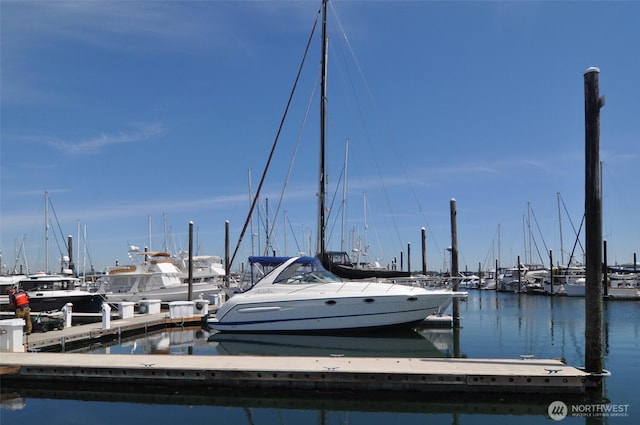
[
  {"x": 419, "y": 342},
  {"x": 391, "y": 343},
  {"x": 174, "y": 341}
]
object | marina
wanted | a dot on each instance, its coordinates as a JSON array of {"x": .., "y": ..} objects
[
  {"x": 36, "y": 368},
  {"x": 337, "y": 333},
  {"x": 502, "y": 336}
]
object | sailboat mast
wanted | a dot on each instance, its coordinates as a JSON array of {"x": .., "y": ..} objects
[
  {"x": 365, "y": 244},
  {"x": 323, "y": 104},
  {"x": 250, "y": 202},
  {"x": 344, "y": 194},
  {"x": 560, "y": 223}
]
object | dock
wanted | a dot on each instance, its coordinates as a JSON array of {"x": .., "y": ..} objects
[
  {"x": 39, "y": 368},
  {"x": 90, "y": 333}
]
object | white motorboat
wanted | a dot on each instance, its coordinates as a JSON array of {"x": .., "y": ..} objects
[
  {"x": 622, "y": 287},
  {"x": 471, "y": 281},
  {"x": 563, "y": 276},
  {"x": 205, "y": 268},
  {"x": 53, "y": 291},
  {"x": 512, "y": 279},
  {"x": 8, "y": 281},
  {"x": 299, "y": 295},
  {"x": 156, "y": 278},
  {"x": 489, "y": 282}
]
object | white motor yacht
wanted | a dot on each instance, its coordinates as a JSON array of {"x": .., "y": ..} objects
[
  {"x": 299, "y": 295},
  {"x": 52, "y": 292},
  {"x": 157, "y": 277}
]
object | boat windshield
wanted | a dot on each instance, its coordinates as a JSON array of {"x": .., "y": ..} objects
[{"x": 305, "y": 271}]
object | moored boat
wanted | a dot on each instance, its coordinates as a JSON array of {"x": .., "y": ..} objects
[
  {"x": 625, "y": 288},
  {"x": 156, "y": 277},
  {"x": 49, "y": 292},
  {"x": 8, "y": 281},
  {"x": 340, "y": 264},
  {"x": 205, "y": 268},
  {"x": 299, "y": 295},
  {"x": 512, "y": 279}
]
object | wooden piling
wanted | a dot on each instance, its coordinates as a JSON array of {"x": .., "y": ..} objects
[
  {"x": 227, "y": 263},
  {"x": 551, "y": 269},
  {"x": 605, "y": 268},
  {"x": 190, "y": 278},
  {"x": 72, "y": 267},
  {"x": 454, "y": 262},
  {"x": 424, "y": 251},
  {"x": 496, "y": 278},
  {"x": 519, "y": 275},
  {"x": 594, "y": 362}
]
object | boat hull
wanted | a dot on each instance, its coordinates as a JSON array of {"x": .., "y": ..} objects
[
  {"x": 179, "y": 293},
  {"x": 82, "y": 302},
  {"x": 578, "y": 290},
  {"x": 328, "y": 313}
]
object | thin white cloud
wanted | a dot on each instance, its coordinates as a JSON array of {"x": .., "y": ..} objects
[
  {"x": 111, "y": 24},
  {"x": 92, "y": 22},
  {"x": 98, "y": 143}
]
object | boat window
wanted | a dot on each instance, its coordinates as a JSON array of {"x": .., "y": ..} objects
[
  {"x": 339, "y": 258},
  {"x": 305, "y": 273}
]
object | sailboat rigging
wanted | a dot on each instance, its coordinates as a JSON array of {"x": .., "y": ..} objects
[
  {"x": 273, "y": 148},
  {"x": 299, "y": 295},
  {"x": 359, "y": 271}
]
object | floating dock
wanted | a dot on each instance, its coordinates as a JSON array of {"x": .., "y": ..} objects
[
  {"x": 39, "y": 369},
  {"x": 91, "y": 333},
  {"x": 297, "y": 373}
]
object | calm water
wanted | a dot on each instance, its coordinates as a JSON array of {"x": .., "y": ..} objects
[{"x": 494, "y": 326}]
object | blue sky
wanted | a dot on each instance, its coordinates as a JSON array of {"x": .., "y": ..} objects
[{"x": 138, "y": 117}]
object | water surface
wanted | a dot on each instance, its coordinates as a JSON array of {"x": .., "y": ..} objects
[{"x": 493, "y": 326}]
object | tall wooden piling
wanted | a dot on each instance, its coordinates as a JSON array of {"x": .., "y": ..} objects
[
  {"x": 190, "y": 278},
  {"x": 454, "y": 262},
  {"x": 551, "y": 269},
  {"x": 496, "y": 277},
  {"x": 424, "y": 250},
  {"x": 594, "y": 362},
  {"x": 227, "y": 263},
  {"x": 71, "y": 266},
  {"x": 605, "y": 268},
  {"x": 519, "y": 275}
]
